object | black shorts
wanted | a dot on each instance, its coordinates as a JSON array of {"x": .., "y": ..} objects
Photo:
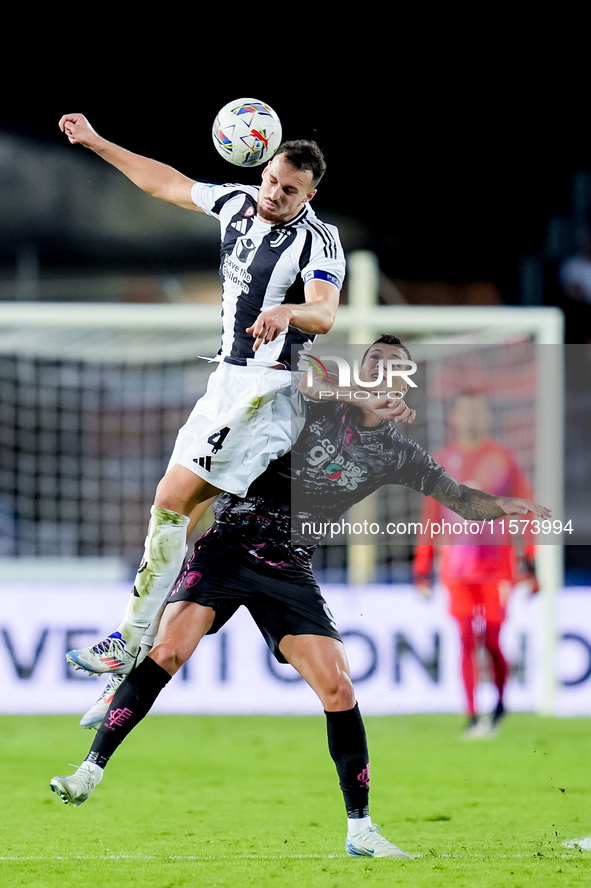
[{"x": 282, "y": 600}]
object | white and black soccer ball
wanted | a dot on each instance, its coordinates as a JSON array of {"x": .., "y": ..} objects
[{"x": 247, "y": 132}]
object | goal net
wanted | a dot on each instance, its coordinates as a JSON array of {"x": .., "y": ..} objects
[{"x": 91, "y": 398}]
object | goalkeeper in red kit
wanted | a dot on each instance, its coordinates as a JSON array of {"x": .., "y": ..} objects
[{"x": 478, "y": 575}]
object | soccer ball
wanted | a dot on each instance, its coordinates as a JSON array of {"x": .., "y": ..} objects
[{"x": 246, "y": 132}]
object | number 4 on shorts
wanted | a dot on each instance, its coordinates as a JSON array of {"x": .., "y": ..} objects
[{"x": 217, "y": 439}]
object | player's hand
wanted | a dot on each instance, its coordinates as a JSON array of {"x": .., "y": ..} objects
[
  {"x": 78, "y": 130},
  {"x": 269, "y": 325},
  {"x": 512, "y": 505},
  {"x": 392, "y": 410}
]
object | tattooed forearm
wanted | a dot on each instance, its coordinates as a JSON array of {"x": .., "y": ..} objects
[{"x": 473, "y": 505}]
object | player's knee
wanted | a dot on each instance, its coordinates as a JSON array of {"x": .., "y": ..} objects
[
  {"x": 182, "y": 495},
  {"x": 338, "y": 693},
  {"x": 169, "y": 657},
  {"x": 170, "y": 499}
]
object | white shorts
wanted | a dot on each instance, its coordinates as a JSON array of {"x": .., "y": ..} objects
[{"x": 244, "y": 420}]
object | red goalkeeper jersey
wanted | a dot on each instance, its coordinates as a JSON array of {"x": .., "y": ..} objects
[{"x": 489, "y": 467}]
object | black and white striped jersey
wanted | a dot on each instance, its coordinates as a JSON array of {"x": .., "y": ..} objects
[{"x": 264, "y": 265}]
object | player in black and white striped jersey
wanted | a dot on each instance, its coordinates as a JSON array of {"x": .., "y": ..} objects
[
  {"x": 282, "y": 270},
  {"x": 264, "y": 265}
]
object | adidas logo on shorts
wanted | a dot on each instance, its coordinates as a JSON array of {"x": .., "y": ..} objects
[{"x": 204, "y": 462}]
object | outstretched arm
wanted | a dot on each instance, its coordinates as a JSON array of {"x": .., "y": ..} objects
[
  {"x": 477, "y": 505},
  {"x": 153, "y": 177}
]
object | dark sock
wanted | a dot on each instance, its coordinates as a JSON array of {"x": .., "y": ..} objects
[
  {"x": 347, "y": 745},
  {"x": 132, "y": 701},
  {"x": 498, "y": 713}
]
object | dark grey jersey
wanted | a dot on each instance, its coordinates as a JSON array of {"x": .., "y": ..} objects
[{"x": 335, "y": 463}]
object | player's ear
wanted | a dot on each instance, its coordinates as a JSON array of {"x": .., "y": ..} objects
[{"x": 309, "y": 196}]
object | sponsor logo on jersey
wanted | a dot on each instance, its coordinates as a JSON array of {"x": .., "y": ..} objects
[
  {"x": 245, "y": 247},
  {"x": 234, "y": 274},
  {"x": 241, "y": 225},
  {"x": 344, "y": 472}
]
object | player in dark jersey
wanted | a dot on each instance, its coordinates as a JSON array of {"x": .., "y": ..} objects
[
  {"x": 252, "y": 556},
  {"x": 281, "y": 270}
]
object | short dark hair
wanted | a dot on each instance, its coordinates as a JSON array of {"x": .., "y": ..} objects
[
  {"x": 304, "y": 154},
  {"x": 388, "y": 339}
]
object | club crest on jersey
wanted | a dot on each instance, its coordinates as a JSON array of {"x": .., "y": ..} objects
[{"x": 280, "y": 237}]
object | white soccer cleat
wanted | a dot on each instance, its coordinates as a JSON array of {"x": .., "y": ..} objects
[
  {"x": 476, "y": 728},
  {"x": 370, "y": 843},
  {"x": 110, "y": 655},
  {"x": 482, "y": 728},
  {"x": 94, "y": 716},
  {"x": 76, "y": 788}
]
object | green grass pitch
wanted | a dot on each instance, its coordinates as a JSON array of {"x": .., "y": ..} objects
[{"x": 241, "y": 801}]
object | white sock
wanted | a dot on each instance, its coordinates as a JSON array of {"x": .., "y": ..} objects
[
  {"x": 149, "y": 637},
  {"x": 166, "y": 545},
  {"x": 355, "y": 825}
]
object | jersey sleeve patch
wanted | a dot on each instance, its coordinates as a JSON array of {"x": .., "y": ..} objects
[{"x": 322, "y": 276}]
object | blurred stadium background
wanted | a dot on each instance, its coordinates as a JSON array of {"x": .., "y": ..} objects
[{"x": 98, "y": 368}]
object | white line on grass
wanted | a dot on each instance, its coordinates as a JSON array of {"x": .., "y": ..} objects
[
  {"x": 583, "y": 844},
  {"x": 574, "y": 844},
  {"x": 182, "y": 857}
]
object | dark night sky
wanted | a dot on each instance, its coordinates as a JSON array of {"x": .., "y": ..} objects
[{"x": 453, "y": 153}]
